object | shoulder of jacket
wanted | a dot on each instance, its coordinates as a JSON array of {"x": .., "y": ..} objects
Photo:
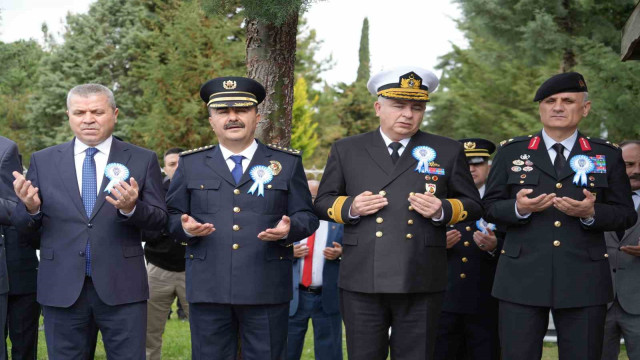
[
  {"x": 514, "y": 140},
  {"x": 602, "y": 142},
  {"x": 285, "y": 149},
  {"x": 196, "y": 150}
]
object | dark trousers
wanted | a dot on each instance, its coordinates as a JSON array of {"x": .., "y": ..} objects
[
  {"x": 69, "y": 331},
  {"x": 215, "y": 329},
  {"x": 413, "y": 319},
  {"x": 580, "y": 331},
  {"x": 23, "y": 316},
  {"x": 468, "y": 336},
  {"x": 327, "y": 329}
]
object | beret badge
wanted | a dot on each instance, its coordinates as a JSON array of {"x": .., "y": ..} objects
[{"x": 229, "y": 84}]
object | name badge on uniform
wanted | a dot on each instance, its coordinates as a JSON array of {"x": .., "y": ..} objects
[
  {"x": 424, "y": 155},
  {"x": 582, "y": 165},
  {"x": 260, "y": 175},
  {"x": 115, "y": 172}
]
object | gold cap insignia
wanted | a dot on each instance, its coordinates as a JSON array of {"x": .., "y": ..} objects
[
  {"x": 411, "y": 82},
  {"x": 229, "y": 84},
  {"x": 469, "y": 145},
  {"x": 276, "y": 167}
]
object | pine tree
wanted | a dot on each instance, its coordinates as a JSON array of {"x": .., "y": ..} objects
[
  {"x": 303, "y": 132},
  {"x": 364, "y": 67}
]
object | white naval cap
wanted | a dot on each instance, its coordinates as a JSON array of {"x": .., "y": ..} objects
[{"x": 404, "y": 83}]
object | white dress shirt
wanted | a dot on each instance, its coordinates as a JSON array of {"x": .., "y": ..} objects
[
  {"x": 247, "y": 153},
  {"x": 319, "y": 245},
  {"x": 635, "y": 196},
  {"x": 388, "y": 141},
  {"x": 101, "y": 157}
]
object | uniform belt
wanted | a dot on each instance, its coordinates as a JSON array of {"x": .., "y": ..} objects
[{"x": 311, "y": 289}]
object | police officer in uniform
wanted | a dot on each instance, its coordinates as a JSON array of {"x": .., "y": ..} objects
[
  {"x": 555, "y": 193},
  {"x": 395, "y": 189},
  {"x": 239, "y": 206},
  {"x": 469, "y": 319}
]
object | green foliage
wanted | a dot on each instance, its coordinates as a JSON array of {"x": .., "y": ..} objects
[
  {"x": 274, "y": 12},
  {"x": 303, "y": 128},
  {"x": 364, "y": 67}
]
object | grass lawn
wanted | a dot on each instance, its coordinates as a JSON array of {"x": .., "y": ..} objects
[{"x": 177, "y": 344}]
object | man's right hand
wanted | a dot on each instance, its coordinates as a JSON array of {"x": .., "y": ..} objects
[
  {"x": 300, "y": 250},
  {"x": 453, "y": 236},
  {"x": 526, "y": 205},
  {"x": 27, "y": 193},
  {"x": 192, "y": 227},
  {"x": 367, "y": 203}
]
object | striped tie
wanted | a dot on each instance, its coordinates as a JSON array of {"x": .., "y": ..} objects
[{"x": 89, "y": 194}]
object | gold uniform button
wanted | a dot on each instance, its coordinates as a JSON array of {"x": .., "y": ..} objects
[
  {"x": 191, "y": 256},
  {"x": 592, "y": 185},
  {"x": 236, "y": 209},
  {"x": 269, "y": 186},
  {"x": 409, "y": 236},
  {"x": 382, "y": 192},
  {"x": 466, "y": 243},
  {"x": 412, "y": 194},
  {"x": 557, "y": 224},
  {"x": 556, "y": 243},
  {"x": 236, "y": 191},
  {"x": 410, "y": 208},
  {"x": 236, "y": 227},
  {"x": 410, "y": 221},
  {"x": 464, "y": 260},
  {"x": 379, "y": 220},
  {"x": 378, "y": 233},
  {"x": 558, "y": 186},
  {"x": 463, "y": 276},
  {"x": 468, "y": 228},
  {"x": 521, "y": 181},
  {"x": 606, "y": 255},
  {"x": 201, "y": 186},
  {"x": 235, "y": 246},
  {"x": 502, "y": 252}
]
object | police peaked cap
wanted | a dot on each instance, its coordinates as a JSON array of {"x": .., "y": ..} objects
[
  {"x": 477, "y": 150},
  {"x": 232, "y": 91}
]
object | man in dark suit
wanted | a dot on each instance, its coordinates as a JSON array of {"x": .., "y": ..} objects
[
  {"x": 9, "y": 162},
  {"x": 239, "y": 273},
  {"x": 555, "y": 194},
  {"x": 395, "y": 189},
  {"x": 92, "y": 271},
  {"x": 315, "y": 291},
  {"x": 469, "y": 319},
  {"x": 623, "y": 314}
]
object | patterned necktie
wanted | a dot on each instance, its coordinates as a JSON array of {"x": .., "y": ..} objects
[
  {"x": 560, "y": 162},
  {"x": 237, "y": 170},
  {"x": 89, "y": 194},
  {"x": 395, "y": 155},
  {"x": 308, "y": 261}
]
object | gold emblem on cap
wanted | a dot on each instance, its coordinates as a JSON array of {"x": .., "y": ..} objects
[
  {"x": 470, "y": 145},
  {"x": 410, "y": 82},
  {"x": 275, "y": 167},
  {"x": 229, "y": 84}
]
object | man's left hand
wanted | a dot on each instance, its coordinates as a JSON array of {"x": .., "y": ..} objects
[
  {"x": 580, "y": 209},
  {"x": 332, "y": 253},
  {"x": 486, "y": 242},
  {"x": 277, "y": 233},
  {"x": 426, "y": 205},
  {"x": 124, "y": 196},
  {"x": 631, "y": 249}
]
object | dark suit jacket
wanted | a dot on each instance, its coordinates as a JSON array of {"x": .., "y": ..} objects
[
  {"x": 117, "y": 263},
  {"x": 552, "y": 259},
  {"x": 9, "y": 162},
  {"x": 395, "y": 250},
  {"x": 470, "y": 274},
  {"x": 330, "y": 297},
  {"x": 625, "y": 269},
  {"x": 231, "y": 265}
]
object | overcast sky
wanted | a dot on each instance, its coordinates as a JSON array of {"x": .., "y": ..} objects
[{"x": 401, "y": 32}]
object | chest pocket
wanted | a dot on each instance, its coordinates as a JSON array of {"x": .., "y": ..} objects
[
  {"x": 598, "y": 180},
  {"x": 276, "y": 197},
  {"x": 205, "y": 195}
]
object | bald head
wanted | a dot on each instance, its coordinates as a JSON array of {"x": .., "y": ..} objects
[{"x": 313, "y": 188}]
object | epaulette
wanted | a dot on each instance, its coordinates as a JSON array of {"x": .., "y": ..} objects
[
  {"x": 603, "y": 142},
  {"x": 193, "y": 151},
  {"x": 515, "y": 140},
  {"x": 285, "y": 149}
]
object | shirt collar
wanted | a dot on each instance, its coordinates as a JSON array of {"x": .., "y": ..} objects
[
  {"x": 104, "y": 147},
  {"x": 247, "y": 153},
  {"x": 567, "y": 143},
  {"x": 482, "y": 189},
  {"x": 388, "y": 141}
]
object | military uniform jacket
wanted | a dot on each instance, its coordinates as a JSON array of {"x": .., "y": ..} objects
[
  {"x": 395, "y": 250},
  {"x": 470, "y": 274},
  {"x": 231, "y": 265},
  {"x": 552, "y": 259}
]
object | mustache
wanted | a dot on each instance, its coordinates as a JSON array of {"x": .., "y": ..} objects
[
  {"x": 234, "y": 124},
  {"x": 634, "y": 176}
]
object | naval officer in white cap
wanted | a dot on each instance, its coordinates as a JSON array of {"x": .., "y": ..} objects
[{"x": 395, "y": 189}]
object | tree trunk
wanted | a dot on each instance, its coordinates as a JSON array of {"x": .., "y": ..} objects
[
  {"x": 568, "y": 57},
  {"x": 271, "y": 53}
]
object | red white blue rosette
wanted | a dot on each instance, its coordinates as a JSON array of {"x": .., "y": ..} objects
[
  {"x": 582, "y": 165},
  {"x": 115, "y": 172},
  {"x": 424, "y": 155},
  {"x": 260, "y": 175}
]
